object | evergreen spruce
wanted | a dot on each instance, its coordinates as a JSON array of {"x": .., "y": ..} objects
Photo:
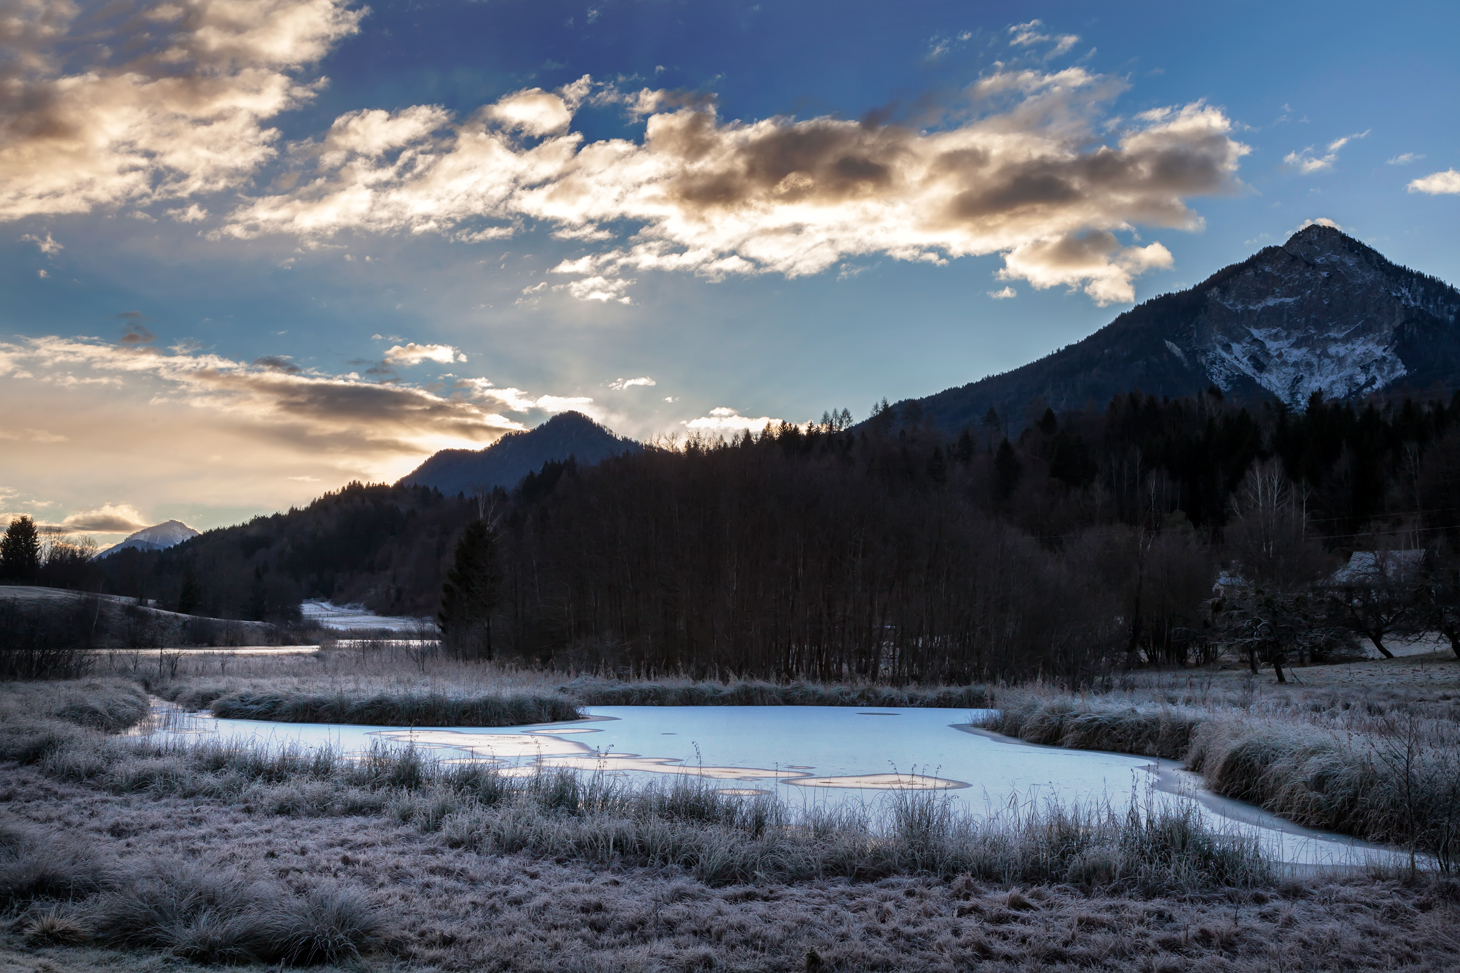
[
  {"x": 20, "y": 551},
  {"x": 470, "y": 595}
]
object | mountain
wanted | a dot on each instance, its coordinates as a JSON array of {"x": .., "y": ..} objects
[
  {"x": 509, "y": 459},
  {"x": 154, "y": 538},
  {"x": 1321, "y": 313}
]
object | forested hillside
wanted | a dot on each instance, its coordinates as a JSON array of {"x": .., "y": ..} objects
[
  {"x": 891, "y": 549},
  {"x": 896, "y": 552},
  {"x": 376, "y": 544}
]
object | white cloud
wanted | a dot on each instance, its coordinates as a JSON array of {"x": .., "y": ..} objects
[
  {"x": 1404, "y": 159},
  {"x": 109, "y": 518},
  {"x": 599, "y": 288},
  {"x": 618, "y": 385},
  {"x": 724, "y": 419},
  {"x": 279, "y": 402},
  {"x": 1320, "y": 221},
  {"x": 189, "y": 214},
  {"x": 1004, "y": 294},
  {"x": 1032, "y": 168},
  {"x": 1307, "y": 162},
  {"x": 1028, "y": 35},
  {"x": 175, "y": 105},
  {"x": 1437, "y": 183},
  {"x": 47, "y": 245},
  {"x": 414, "y": 354}
]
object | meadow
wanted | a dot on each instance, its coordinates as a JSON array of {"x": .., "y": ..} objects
[{"x": 117, "y": 852}]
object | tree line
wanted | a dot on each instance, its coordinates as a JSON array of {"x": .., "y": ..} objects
[
  {"x": 1064, "y": 544},
  {"x": 893, "y": 551}
]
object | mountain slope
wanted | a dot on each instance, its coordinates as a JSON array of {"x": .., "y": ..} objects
[
  {"x": 509, "y": 459},
  {"x": 154, "y": 538},
  {"x": 1321, "y": 313}
]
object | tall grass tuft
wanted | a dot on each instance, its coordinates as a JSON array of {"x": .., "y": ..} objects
[
  {"x": 593, "y": 691},
  {"x": 218, "y": 915},
  {"x": 400, "y": 708}
]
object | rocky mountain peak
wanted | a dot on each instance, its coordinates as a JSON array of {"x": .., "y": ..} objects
[{"x": 1323, "y": 312}]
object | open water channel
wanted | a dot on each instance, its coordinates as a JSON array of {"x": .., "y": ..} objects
[{"x": 820, "y": 755}]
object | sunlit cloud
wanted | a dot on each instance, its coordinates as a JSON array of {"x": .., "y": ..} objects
[
  {"x": 1028, "y": 167},
  {"x": 414, "y": 354},
  {"x": 1404, "y": 159},
  {"x": 275, "y": 397},
  {"x": 723, "y": 419},
  {"x": 619, "y": 384},
  {"x": 177, "y": 105},
  {"x": 1028, "y": 35},
  {"x": 1308, "y": 162},
  {"x": 110, "y": 518},
  {"x": 1437, "y": 184},
  {"x": 1003, "y": 294},
  {"x": 47, "y": 245}
]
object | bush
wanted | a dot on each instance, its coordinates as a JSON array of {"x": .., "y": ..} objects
[{"x": 47, "y": 640}]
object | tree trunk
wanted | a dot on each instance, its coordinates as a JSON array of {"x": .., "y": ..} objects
[
  {"x": 1277, "y": 667},
  {"x": 1378, "y": 641},
  {"x": 1252, "y": 659}
]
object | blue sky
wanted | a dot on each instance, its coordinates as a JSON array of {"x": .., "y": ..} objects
[{"x": 255, "y": 250}]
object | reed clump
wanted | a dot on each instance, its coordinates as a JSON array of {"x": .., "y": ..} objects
[
  {"x": 64, "y": 891},
  {"x": 1385, "y": 772},
  {"x": 596, "y": 691},
  {"x": 401, "y": 708}
]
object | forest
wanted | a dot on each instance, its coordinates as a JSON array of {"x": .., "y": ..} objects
[{"x": 890, "y": 550}]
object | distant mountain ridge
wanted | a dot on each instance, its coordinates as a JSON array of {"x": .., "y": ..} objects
[
  {"x": 1321, "y": 313},
  {"x": 155, "y": 538},
  {"x": 509, "y": 459}
]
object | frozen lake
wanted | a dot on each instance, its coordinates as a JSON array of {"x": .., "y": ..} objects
[{"x": 819, "y": 755}]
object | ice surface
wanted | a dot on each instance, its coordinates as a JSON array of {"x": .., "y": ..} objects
[{"x": 830, "y": 755}]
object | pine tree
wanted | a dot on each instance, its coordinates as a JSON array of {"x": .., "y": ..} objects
[
  {"x": 20, "y": 551},
  {"x": 470, "y": 595}
]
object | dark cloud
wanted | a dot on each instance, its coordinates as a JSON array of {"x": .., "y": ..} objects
[{"x": 277, "y": 363}]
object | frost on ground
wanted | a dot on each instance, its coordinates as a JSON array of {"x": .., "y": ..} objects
[{"x": 454, "y": 909}]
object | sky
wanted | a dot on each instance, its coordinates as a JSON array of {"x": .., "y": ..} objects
[{"x": 252, "y": 250}]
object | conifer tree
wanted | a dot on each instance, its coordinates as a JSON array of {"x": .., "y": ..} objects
[
  {"x": 20, "y": 551},
  {"x": 471, "y": 592}
]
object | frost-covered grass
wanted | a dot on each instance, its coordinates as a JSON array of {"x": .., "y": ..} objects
[
  {"x": 396, "y": 683},
  {"x": 116, "y": 853},
  {"x": 1384, "y": 770}
]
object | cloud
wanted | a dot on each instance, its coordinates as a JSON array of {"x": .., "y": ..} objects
[
  {"x": 174, "y": 104},
  {"x": 277, "y": 400},
  {"x": 414, "y": 354},
  {"x": 277, "y": 363},
  {"x": 1308, "y": 163},
  {"x": 48, "y": 246},
  {"x": 599, "y": 288},
  {"x": 618, "y": 385},
  {"x": 1320, "y": 221},
  {"x": 1030, "y": 164},
  {"x": 1028, "y": 35},
  {"x": 110, "y": 518},
  {"x": 724, "y": 419},
  {"x": 1437, "y": 183},
  {"x": 1404, "y": 159},
  {"x": 1004, "y": 294}
]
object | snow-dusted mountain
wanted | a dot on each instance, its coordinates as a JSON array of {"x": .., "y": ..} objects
[
  {"x": 155, "y": 538},
  {"x": 1321, "y": 313}
]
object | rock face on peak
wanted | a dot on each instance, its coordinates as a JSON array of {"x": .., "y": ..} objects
[
  {"x": 154, "y": 538},
  {"x": 509, "y": 459},
  {"x": 1321, "y": 313}
]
